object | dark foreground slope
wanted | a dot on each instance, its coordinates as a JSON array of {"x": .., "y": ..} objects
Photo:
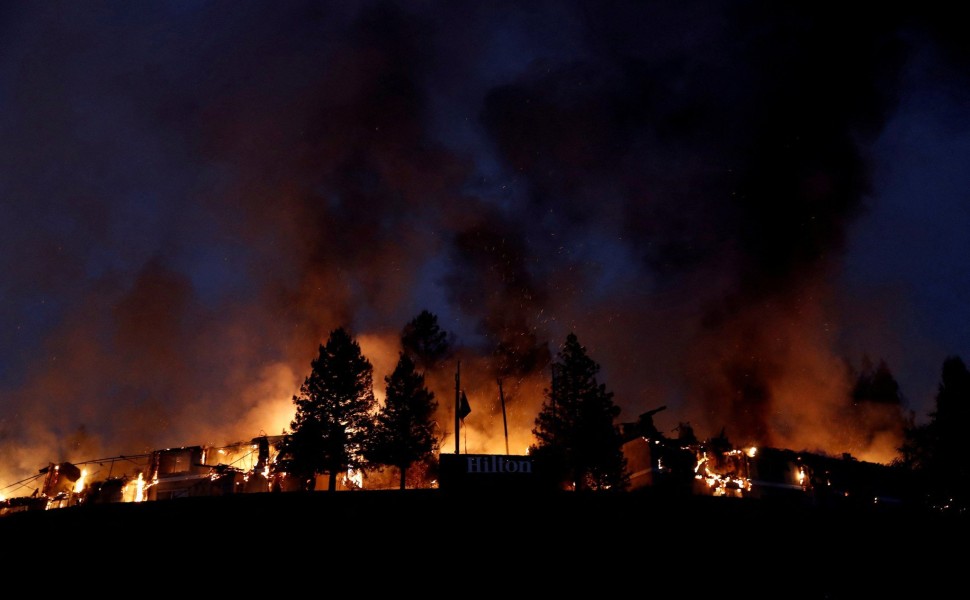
[{"x": 487, "y": 543}]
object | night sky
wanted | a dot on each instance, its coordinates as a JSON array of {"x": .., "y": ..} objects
[{"x": 733, "y": 205}]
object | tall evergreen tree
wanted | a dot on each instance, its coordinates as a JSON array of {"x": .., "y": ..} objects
[
  {"x": 876, "y": 385},
  {"x": 935, "y": 450},
  {"x": 577, "y": 438},
  {"x": 425, "y": 342},
  {"x": 877, "y": 404},
  {"x": 334, "y": 412},
  {"x": 404, "y": 432}
]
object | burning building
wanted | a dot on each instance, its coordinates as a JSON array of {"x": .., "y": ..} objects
[{"x": 681, "y": 465}]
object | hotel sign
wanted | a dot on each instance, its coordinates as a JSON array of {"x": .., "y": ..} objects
[{"x": 486, "y": 470}]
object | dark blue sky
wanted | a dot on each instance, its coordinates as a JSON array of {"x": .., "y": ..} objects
[{"x": 732, "y": 204}]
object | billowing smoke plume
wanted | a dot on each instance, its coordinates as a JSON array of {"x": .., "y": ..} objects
[{"x": 195, "y": 197}]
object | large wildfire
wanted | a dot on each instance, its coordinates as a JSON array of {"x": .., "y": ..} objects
[
  {"x": 242, "y": 192},
  {"x": 681, "y": 464}
]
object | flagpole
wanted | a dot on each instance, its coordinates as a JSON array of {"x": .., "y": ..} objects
[
  {"x": 505, "y": 423},
  {"x": 457, "y": 408}
]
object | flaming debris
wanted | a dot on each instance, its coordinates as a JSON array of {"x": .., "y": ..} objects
[
  {"x": 79, "y": 485},
  {"x": 726, "y": 475},
  {"x": 707, "y": 467},
  {"x": 354, "y": 479},
  {"x": 134, "y": 491}
]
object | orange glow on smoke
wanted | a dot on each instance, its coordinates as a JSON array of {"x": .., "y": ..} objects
[
  {"x": 382, "y": 352},
  {"x": 483, "y": 431},
  {"x": 270, "y": 404},
  {"x": 771, "y": 375}
]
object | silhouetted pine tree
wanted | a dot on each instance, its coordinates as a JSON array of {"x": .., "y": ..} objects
[
  {"x": 577, "y": 439},
  {"x": 876, "y": 385},
  {"x": 877, "y": 403},
  {"x": 404, "y": 432},
  {"x": 425, "y": 342},
  {"x": 334, "y": 413},
  {"x": 935, "y": 450}
]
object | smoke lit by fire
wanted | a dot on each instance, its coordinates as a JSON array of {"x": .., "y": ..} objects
[{"x": 194, "y": 208}]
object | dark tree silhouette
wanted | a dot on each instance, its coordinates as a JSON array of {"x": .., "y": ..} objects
[
  {"x": 876, "y": 385},
  {"x": 425, "y": 342},
  {"x": 334, "y": 413},
  {"x": 877, "y": 403},
  {"x": 404, "y": 429},
  {"x": 934, "y": 451},
  {"x": 577, "y": 439}
]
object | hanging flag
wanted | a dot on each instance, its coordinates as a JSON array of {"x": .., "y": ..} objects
[{"x": 464, "y": 408}]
